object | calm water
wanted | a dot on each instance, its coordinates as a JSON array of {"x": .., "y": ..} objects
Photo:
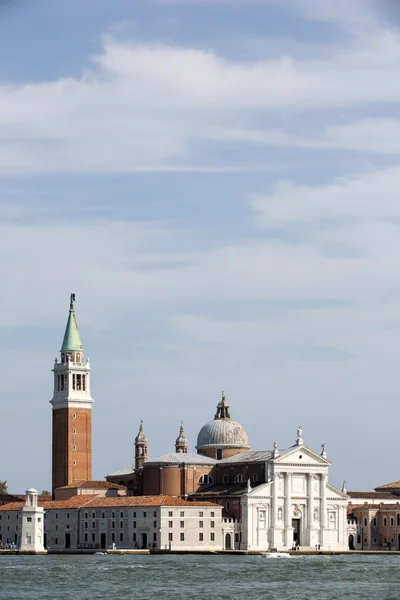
[{"x": 216, "y": 577}]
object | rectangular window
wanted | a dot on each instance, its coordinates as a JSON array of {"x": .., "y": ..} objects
[
  {"x": 29, "y": 519},
  {"x": 121, "y": 524},
  {"x": 113, "y": 525},
  {"x": 94, "y": 525},
  {"x": 384, "y": 521},
  {"x": 212, "y": 536},
  {"x": 201, "y": 536},
  {"x": 201, "y": 523},
  {"x": 374, "y": 521},
  {"x": 86, "y": 525},
  {"x": 86, "y": 515},
  {"x": 170, "y": 523},
  {"x": 224, "y": 479},
  {"x": 86, "y": 538},
  {"x": 93, "y": 515},
  {"x": 134, "y": 537},
  {"x": 212, "y": 523},
  {"x": 182, "y": 523},
  {"x": 113, "y": 537},
  {"x": 154, "y": 523},
  {"x": 121, "y": 537},
  {"x": 56, "y": 515},
  {"x": 200, "y": 514},
  {"x": 182, "y": 513},
  {"x": 365, "y": 522},
  {"x": 113, "y": 515},
  {"x": 182, "y": 537},
  {"x": 154, "y": 537},
  {"x": 56, "y": 541},
  {"x": 155, "y": 513},
  {"x": 103, "y": 515},
  {"x": 212, "y": 514},
  {"x": 73, "y": 381},
  {"x": 39, "y": 520},
  {"x": 134, "y": 515},
  {"x": 78, "y": 383},
  {"x": 359, "y": 539},
  {"x": 170, "y": 537},
  {"x": 121, "y": 515},
  {"x": 93, "y": 537},
  {"x": 391, "y": 521},
  {"x": 84, "y": 383},
  {"x": 170, "y": 513},
  {"x": 67, "y": 515},
  {"x": 134, "y": 524},
  {"x": 145, "y": 514}
]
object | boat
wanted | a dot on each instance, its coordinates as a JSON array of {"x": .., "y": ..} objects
[{"x": 276, "y": 555}]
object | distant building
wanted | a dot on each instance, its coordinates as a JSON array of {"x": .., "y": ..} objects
[
  {"x": 31, "y": 519},
  {"x": 375, "y": 518}
]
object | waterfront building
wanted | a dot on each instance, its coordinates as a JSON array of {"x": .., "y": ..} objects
[
  {"x": 375, "y": 518},
  {"x": 87, "y": 522},
  {"x": 31, "y": 517}
]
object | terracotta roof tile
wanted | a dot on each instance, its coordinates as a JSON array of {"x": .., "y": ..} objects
[
  {"x": 395, "y": 486},
  {"x": 373, "y": 495},
  {"x": 147, "y": 501},
  {"x": 93, "y": 485},
  {"x": 74, "y": 502}
]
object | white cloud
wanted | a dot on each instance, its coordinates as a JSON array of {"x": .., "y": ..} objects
[
  {"x": 368, "y": 196},
  {"x": 143, "y": 106}
]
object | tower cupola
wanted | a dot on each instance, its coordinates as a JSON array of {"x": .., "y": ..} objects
[{"x": 181, "y": 442}]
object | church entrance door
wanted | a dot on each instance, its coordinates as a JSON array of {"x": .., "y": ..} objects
[
  {"x": 103, "y": 543},
  {"x": 144, "y": 540},
  {"x": 296, "y": 531},
  {"x": 351, "y": 542},
  {"x": 228, "y": 542}
]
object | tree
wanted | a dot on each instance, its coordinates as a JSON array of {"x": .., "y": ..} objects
[
  {"x": 45, "y": 493},
  {"x": 3, "y": 487}
]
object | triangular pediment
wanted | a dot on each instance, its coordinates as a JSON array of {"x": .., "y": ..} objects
[{"x": 301, "y": 455}]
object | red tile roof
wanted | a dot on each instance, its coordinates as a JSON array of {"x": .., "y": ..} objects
[
  {"x": 74, "y": 502},
  {"x": 147, "y": 501},
  {"x": 373, "y": 495},
  {"x": 395, "y": 486},
  {"x": 117, "y": 501},
  {"x": 93, "y": 485}
]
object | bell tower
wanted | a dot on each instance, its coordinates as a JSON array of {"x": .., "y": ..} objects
[
  {"x": 72, "y": 410},
  {"x": 140, "y": 448}
]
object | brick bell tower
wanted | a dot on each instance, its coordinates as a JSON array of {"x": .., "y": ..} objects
[{"x": 72, "y": 410}]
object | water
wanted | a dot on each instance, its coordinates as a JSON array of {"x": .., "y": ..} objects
[{"x": 199, "y": 577}]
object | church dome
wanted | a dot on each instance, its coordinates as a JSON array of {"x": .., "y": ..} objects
[{"x": 222, "y": 432}]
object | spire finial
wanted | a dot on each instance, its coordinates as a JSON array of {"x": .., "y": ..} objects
[
  {"x": 222, "y": 409},
  {"x": 223, "y": 396},
  {"x": 71, "y": 302}
]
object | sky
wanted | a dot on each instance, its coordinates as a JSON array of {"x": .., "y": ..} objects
[{"x": 217, "y": 182}]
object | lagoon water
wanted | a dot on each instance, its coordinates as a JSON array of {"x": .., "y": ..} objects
[{"x": 198, "y": 577}]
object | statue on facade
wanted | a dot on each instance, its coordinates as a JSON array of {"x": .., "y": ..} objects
[{"x": 299, "y": 440}]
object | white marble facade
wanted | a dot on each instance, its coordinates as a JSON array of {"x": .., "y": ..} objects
[{"x": 297, "y": 504}]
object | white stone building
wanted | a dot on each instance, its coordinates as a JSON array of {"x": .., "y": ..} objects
[
  {"x": 31, "y": 537},
  {"x": 94, "y": 523},
  {"x": 297, "y": 505}
]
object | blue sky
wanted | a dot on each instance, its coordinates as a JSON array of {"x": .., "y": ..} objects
[{"x": 217, "y": 182}]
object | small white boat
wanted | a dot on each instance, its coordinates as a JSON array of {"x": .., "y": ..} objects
[{"x": 277, "y": 555}]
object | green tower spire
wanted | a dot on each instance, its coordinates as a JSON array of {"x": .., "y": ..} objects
[{"x": 72, "y": 339}]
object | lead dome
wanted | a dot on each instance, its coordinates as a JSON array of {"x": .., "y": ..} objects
[{"x": 223, "y": 434}]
